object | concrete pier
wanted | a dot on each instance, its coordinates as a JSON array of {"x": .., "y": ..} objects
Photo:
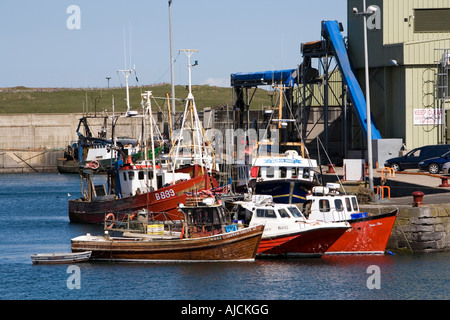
[{"x": 418, "y": 228}]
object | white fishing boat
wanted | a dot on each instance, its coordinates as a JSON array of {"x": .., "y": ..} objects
[
  {"x": 287, "y": 232},
  {"x": 369, "y": 232},
  {"x": 60, "y": 257}
]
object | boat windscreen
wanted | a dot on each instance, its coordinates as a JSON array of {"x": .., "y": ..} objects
[{"x": 295, "y": 212}]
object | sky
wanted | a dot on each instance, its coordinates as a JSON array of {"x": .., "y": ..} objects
[{"x": 47, "y": 43}]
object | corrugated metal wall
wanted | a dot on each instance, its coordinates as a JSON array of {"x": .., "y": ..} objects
[
  {"x": 399, "y": 90},
  {"x": 398, "y": 16}
]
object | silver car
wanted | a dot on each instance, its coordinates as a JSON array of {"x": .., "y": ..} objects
[{"x": 446, "y": 168}]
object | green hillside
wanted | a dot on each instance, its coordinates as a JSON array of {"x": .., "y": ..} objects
[{"x": 66, "y": 100}]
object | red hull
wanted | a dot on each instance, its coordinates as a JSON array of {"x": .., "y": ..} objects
[
  {"x": 164, "y": 199},
  {"x": 366, "y": 235},
  {"x": 313, "y": 242}
]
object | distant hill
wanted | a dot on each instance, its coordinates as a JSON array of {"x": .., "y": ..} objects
[{"x": 77, "y": 100}]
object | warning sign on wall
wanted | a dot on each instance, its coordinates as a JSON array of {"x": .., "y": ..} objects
[{"x": 427, "y": 116}]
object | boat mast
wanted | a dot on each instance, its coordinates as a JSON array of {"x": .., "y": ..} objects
[
  {"x": 147, "y": 96},
  {"x": 199, "y": 140},
  {"x": 126, "y": 74}
]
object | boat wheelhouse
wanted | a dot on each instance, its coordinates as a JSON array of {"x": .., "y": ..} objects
[{"x": 287, "y": 178}]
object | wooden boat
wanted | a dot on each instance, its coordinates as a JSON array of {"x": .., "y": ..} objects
[
  {"x": 200, "y": 239},
  {"x": 60, "y": 258},
  {"x": 369, "y": 233},
  {"x": 287, "y": 232}
]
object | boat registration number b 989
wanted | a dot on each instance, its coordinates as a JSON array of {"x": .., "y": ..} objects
[{"x": 164, "y": 194}]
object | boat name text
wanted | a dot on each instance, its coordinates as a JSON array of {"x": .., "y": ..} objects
[{"x": 164, "y": 194}]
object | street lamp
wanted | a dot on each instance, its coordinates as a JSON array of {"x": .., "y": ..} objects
[
  {"x": 369, "y": 11},
  {"x": 171, "y": 61}
]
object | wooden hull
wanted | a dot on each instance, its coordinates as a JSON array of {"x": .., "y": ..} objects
[
  {"x": 309, "y": 243},
  {"x": 164, "y": 199},
  {"x": 238, "y": 245},
  {"x": 60, "y": 258},
  {"x": 368, "y": 235}
]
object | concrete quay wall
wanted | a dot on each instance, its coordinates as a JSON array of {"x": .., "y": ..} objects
[
  {"x": 418, "y": 229},
  {"x": 34, "y": 142}
]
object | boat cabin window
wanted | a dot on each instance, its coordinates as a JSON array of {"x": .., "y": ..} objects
[
  {"x": 283, "y": 172},
  {"x": 131, "y": 175},
  {"x": 338, "y": 205},
  {"x": 283, "y": 213},
  {"x": 324, "y": 205},
  {"x": 270, "y": 172},
  {"x": 141, "y": 175},
  {"x": 295, "y": 212},
  {"x": 124, "y": 176},
  {"x": 348, "y": 204},
  {"x": 355, "y": 204},
  {"x": 305, "y": 173},
  {"x": 265, "y": 213}
]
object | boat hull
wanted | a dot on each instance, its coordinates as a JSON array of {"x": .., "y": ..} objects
[
  {"x": 368, "y": 235},
  {"x": 164, "y": 199},
  {"x": 285, "y": 190},
  {"x": 308, "y": 243},
  {"x": 238, "y": 245}
]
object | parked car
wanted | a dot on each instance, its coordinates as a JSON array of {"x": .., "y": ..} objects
[
  {"x": 446, "y": 168},
  {"x": 434, "y": 165},
  {"x": 411, "y": 159}
]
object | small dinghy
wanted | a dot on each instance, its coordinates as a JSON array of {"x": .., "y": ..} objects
[{"x": 62, "y": 257}]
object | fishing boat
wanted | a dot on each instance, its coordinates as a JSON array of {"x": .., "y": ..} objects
[
  {"x": 95, "y": 148},
  {"x": 206, "y": 235},
  {"x": 133, "y": 190},
  {"x": 287, "y": 176},
  {"x": 287, "y": 232},
  {"x": 133, "y": 186},
  {"x": 60, "y": 258},
  {"x": 369, "y": 233}
]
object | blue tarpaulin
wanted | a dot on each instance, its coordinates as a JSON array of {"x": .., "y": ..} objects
[{"x": 263, "y": 78}]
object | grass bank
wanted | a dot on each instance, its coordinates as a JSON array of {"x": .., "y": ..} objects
[{"x": 70, "y": 100}]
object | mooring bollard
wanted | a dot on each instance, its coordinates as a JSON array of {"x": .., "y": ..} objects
[
  {"x": 444, "y": 183},
  {"x": 418, "y": 198},
  {"x": 331, "y": 168}
]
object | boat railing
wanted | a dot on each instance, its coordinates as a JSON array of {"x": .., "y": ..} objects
[{"x": 143, "y": 223}]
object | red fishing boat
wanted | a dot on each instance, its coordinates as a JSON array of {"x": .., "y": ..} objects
[
  {"x": 146, "y": 185},
  {"x": 369, "y": 233},
  {"x": 287, "y": 232},
  {"x": 134, "y": 191}
]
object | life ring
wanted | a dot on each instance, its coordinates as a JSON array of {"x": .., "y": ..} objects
[
  {"x": 93, "y": 165},
  {"x": 108, "y": 216}
]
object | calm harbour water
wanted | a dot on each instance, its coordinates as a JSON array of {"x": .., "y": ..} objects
[{"x": 34, "y": 219}]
